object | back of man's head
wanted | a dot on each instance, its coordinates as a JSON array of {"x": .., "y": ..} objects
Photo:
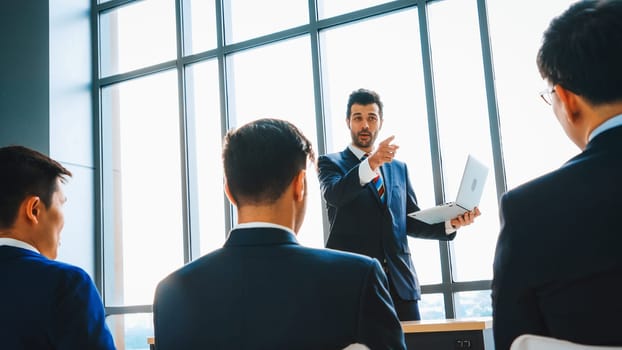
[
  {"x": 25, "y": 172},
  {"x": 262, "y": 158},
  {"x": 582, "y": 51}
]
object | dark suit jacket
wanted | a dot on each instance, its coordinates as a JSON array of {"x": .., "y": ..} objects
[
  {"x": 263, "y": 290},
  {"x": 360, "y": 223},
  {"x": 45, "y": 304},
  {"x": 558, "y": 262}
]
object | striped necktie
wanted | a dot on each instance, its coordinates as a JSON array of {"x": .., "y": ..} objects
[{"x": 378, "y": 183}]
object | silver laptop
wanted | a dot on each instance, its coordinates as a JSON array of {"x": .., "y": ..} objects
[{"x": 469, "y": 195}]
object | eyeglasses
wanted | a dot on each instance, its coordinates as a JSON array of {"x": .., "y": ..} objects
[{"x": 547, "y": 95}]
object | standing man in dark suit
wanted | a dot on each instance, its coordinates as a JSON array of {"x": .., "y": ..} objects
[
  {"x": 558, "y": 262},
  {"x": 368, "y": 196},
  {"x": 44, "y": 304},
  {"x": 263, "y": 290}
]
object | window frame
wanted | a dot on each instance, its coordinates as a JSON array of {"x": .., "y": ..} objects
[{"x": 103, "y": 220}]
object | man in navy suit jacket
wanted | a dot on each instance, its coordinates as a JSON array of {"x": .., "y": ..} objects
[
  {"x": 370, "y": 219},
  {"x": 558, "y": 262},
  {"x": 44, "y": 304},
  {"x": 263, "y": 290}
]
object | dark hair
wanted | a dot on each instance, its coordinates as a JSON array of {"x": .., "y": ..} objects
[
  {"x": 25, "y": 172},
  {"x": 262, "y": 158},
  {"x": 582, "y": 50},
  {"x": 363, "y": 97}
]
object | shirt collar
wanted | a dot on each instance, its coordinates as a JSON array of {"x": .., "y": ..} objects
[
  {"x": 608, "y": 124},
  {"x": 256, "y": 224},
  {"x": 359, "y": 153},
  {"x": 17, "y": 243}
]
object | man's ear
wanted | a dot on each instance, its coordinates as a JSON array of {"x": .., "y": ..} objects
[
  {"x": 571, "y": 103},
  {"x": 228, "y": 193},
  {"x": 300, "y": 185},
  {"x": 32, "y": 207}
]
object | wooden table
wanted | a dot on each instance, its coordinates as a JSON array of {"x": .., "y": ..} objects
[
  {"x": 472, "y": 333},
  {"x": 446, "y": 334}
]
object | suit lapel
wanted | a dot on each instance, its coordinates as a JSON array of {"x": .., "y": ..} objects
[
  {"x": 387, "y": 172},
  {"x": 350, "y": 161}
]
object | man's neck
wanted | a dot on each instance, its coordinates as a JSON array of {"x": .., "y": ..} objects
[{"x": 266, "y": 213}]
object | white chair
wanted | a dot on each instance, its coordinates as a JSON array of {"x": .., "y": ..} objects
[
  {"x": 356, "y": 346},
  {"x": 538, "y": 342}
]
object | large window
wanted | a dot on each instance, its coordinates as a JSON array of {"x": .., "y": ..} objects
[
  {"x": 456, "y": 77},
  {"x": 529, "y": 127}
]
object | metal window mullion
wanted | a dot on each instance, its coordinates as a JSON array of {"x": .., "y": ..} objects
[
  {"x": 187, "y": 150},
  {"x": 134, "y": 309},
  {"x": 437, "y": 171},
  {"x": 320, "y": 117},
  {"x": 111, "y": 5},
  {"x": 493, "y": 110},
  {"x": 223, "y": 76},
  {"x": 97, "y": 153},
  {"x": 456, "y": 287}
]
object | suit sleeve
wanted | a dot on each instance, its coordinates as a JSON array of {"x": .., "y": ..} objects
[
  {"x": 79, "y": 319},
  {"x": 514, "y": 302},
  {"x": 379, "y": 327},
  {"x": 338, "y": 186}
]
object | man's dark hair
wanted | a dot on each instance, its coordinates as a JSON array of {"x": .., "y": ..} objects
[
  {"x": 363, "y": 97},
  {"x": 582, "y": 50},
  {"x": 25, "y": 172},
  {"x": 262, "y": 158}
]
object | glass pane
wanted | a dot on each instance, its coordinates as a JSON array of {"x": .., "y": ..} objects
[
  {"x": 204, "y": 112},
  {"x": 473, "y": 304},
  {"x": 247, "y": 19},
  {"x": 143, "y": 242},
  {"x": 355, "y": 56},
  {"x": 199, "y": 26},
  {"x": 464, "y": 126},
  {"x": 276, "y": 81},
  {"x": 130, "y": 331},
  {"x": 522, "y": 112},
  {"x": 432, "y": 307},
  {"x": 330, "y": 8},
  {"x": 137, "y": 35},
  {"x": 426, "y": 258}
]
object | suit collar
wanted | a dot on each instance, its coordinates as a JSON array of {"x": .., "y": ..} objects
[
  {"x": 8, "y": 252},
  {"x": 608, "y": 124},
  {"x": 610, "y": 138},
  {"x": 253, "y": 236},
  {"x": 358, "y": 153},
  {"x": 349, "y": 155},
  {"x": 17, "y": 243}
]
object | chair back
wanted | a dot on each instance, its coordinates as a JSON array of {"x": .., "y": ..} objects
[
  {"x": 538, "y": 342},
  {"x": 356, "y": 346}
]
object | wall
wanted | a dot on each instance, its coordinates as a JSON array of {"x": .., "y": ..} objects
[{"x": 46, "y": 103}]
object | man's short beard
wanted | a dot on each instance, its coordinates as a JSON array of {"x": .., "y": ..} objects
[{"x": 359, "y": 144}]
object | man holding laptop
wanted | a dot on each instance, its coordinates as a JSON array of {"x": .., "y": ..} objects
[{"x": 368, "y": 197}]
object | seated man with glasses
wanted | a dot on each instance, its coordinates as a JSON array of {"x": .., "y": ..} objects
[{"x": 558, "y": 266}]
